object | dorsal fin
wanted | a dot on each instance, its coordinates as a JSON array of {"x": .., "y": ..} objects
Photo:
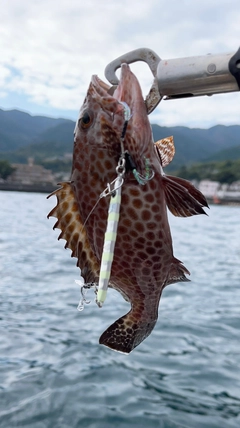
[
  {"x": 166, "y": 150},
  {"x": 72, "y": 230}
]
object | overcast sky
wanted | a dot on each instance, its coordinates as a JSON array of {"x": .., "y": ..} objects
[{"x": 50, "y": 48}]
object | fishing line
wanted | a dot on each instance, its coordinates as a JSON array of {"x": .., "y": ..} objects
[{"x": 90, "y": 213}]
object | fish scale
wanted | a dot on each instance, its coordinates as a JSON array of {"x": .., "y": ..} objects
[{"x": 143, "y": 262}]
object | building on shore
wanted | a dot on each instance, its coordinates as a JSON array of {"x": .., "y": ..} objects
[
  {"x": 209, "y": 188},
  {"x": 229, "y": 191},
  {"x": 29, "y": 178},
  {"x": 30, "y": 174},
  {"x": 220, "y": 193}
]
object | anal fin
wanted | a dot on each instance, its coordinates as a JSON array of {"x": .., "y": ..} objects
[{"x": 177, "y": 273}]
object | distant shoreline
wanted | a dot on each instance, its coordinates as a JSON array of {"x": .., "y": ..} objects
[
  {"x": 49, "y": 188},
  {"x": 232, "y": 202},
  {"x": 37, "y": 188}
]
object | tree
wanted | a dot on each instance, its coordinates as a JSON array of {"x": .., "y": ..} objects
[
  {"x": 5, "y": 169},
  {"x": 224, "y": 171}
]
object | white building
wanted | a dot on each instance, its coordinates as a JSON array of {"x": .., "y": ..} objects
[
  {"x": 209, "y": 188},
  {"x": 220, "y": 192},
  {"x": 30, "y": 174},
  {"x": 230, "y": 191}
]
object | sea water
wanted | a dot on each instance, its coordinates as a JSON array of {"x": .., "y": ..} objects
[{"x": 53, "y": 372}]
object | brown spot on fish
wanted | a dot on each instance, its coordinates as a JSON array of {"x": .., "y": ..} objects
[
  {"x": 107, "y": 164},
  {"x": 100, "y": 167},
  {"x": 139, "y": 227},
  {"x": 134, "y": 192},
  {"x": 92, "y": 159},
  {"x": 132, "y": 213},
  {"x": 128, "y": 223},
  {"x": 150, "y": 235},
  {"x": 151, "y": 225},
  {"x": 146, "y": 215},
  {"x": 155, "y": 208},
  {"x": 137, "y": 203},
  {"x": 150, "y": 250},
  {"x": 101, "y": 154},
  {"x": 141, "y": 241}
]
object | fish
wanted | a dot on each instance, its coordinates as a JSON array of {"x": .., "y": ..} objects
[{"x": 143, "y": 261}]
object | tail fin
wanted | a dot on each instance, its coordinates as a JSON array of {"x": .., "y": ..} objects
[{"x": 126, "y": 333}]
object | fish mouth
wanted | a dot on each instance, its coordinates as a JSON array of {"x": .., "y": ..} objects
[
  {"x": 126, "y": 100},
  {"x": 128, "y": 91},
  {"x": 101, "y": 88},
  {"x": 139, "y": 131}
]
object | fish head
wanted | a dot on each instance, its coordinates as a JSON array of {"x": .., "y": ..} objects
[
  {"x": 102, "y": 122},
  {"x": 98, "y": 112}
]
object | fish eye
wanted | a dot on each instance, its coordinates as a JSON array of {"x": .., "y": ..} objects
[{"x": 85, "y": 121}]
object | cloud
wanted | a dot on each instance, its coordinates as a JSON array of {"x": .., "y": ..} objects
[
  {"x": 49, "y": 49},
  {"x": 4, "y": 74},
  {"x": 199, "y": 112}
]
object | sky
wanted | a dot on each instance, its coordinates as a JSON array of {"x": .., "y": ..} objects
[{"x": 50, "y": 49}]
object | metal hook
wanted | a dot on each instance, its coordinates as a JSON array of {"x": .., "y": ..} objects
[
  {"x": 111, "y": 189},
  {"x": 143, "y": 54}
]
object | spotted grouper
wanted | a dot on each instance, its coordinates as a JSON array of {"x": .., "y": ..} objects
[{"x": 143, "y": 262}]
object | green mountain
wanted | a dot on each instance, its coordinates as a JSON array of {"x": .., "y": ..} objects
[
  {"x": 196, "y": 145},
  {"x": 226, "y": 171},
  {"x": 23, "y": 135},
  {"x": 228, "y": 154},
  {"x": 19, "y": 129}
]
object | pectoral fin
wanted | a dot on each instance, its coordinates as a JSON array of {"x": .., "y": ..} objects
[{"x": 182, "y": 198}]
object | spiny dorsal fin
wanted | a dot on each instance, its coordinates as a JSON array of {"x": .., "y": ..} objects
[
  {"x": 166, "y": 150},
  {"x": 72, "y": 230}
]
